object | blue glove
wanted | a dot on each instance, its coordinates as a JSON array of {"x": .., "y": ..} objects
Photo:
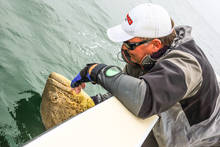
[
  {"x": 87, "y": 74},
  {"x": 82, "y": 76}
]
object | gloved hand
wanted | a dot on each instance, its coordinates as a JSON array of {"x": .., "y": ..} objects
[
  {"x": 83, "y": 75},
  {"x": 87, "y": 74}
]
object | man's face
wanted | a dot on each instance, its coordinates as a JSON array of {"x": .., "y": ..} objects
[{"x": 138, "y": 48}]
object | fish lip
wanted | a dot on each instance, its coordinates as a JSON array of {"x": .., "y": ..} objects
[
  {"x": 60, "y": 82},
  {"x": 59, "y": 78}
]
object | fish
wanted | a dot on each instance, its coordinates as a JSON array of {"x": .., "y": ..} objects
[{"x": 60, "y": 102}]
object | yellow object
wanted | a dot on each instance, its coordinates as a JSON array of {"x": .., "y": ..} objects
[{"x": 60, "y": 102}]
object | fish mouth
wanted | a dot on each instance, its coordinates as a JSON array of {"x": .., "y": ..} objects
[{"x": 60, "y": 82}]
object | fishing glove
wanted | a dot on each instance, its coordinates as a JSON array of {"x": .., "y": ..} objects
[{"x": 87, "y": 74}]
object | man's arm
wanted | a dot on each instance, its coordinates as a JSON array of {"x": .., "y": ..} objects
[
  {"x": 170, "y": 81},
  {"x": 176, "y": 77}
]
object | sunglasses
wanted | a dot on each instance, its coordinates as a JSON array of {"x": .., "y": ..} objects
[{"x": 132, "y": 46}]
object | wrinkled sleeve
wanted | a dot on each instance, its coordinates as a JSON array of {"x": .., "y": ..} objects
[{"x": 166, "y": 86}]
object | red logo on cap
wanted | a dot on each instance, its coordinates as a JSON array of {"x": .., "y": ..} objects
[{"x": 130, "y": 21}]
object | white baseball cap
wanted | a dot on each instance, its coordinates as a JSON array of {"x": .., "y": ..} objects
[{"x": 145, "y": 20}]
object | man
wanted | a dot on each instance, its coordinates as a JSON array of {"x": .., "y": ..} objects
[{"x": 166, "y": 74}]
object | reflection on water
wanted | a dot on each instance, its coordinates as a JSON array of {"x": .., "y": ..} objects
[
  {"x": 3, "y": 140},
  {"x": 27, "y": 117}
]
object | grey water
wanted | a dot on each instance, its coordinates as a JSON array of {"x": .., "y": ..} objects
[{"x": 38, "y": 37}]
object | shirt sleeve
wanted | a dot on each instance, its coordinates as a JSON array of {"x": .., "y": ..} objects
[{"x": 175, "y": 77}]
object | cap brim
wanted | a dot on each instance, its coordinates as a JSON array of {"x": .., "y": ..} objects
[{"x": 117, "y": 34}]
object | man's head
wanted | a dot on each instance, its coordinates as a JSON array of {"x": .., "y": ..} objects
[
  {"x": 138, "y": 48},
  {"x": 146, "y": 29}
]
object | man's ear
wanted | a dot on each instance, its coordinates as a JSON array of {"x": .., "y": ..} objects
[{"x": 157, "y": 44}]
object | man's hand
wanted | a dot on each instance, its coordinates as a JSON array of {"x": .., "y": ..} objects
[
  {"x": 83, "y": 76},
  {"x": 78, "y": 89},
  {"x": 87, "y": 74}
]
